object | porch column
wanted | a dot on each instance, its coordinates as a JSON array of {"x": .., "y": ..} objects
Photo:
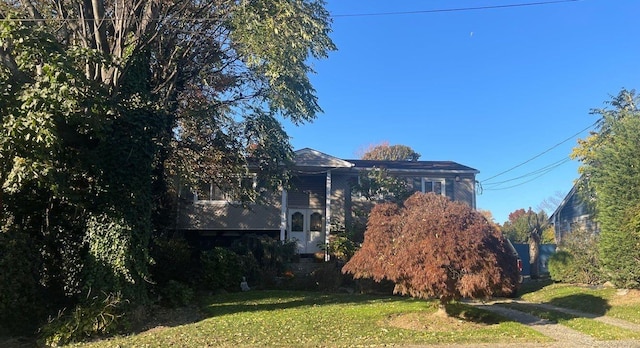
[
  {"x": 283, "y": 215},
  {"x": 327, "y": 214}
]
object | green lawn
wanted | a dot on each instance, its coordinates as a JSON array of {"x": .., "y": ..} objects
[
  {"x": 597, "y": 300},
  {"x": 593, "y": 328},
  {"x": 305, "y": 319}
]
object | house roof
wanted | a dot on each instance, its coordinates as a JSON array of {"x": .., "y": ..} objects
[
  {"x": 307, "y": 159},
  {"x": 432, "y": 166},
  {"x": 312, "y": 158},
  {"x": 562, "y": 204}
]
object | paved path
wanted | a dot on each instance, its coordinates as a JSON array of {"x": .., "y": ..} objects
[
  {"x": 601, "y": 318},
  {"x": 564, "y": 337}
]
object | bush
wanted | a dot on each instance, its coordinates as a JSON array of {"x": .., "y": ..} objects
[
  {"x": 327, "y": 277},
  {"x": 176, "y": 294},
  {"x": 21, "y": 300},
  {"x": 269, "y": 253},
  {"x": 577, "y": 259},
  {"x": 173, "y": 260},
  {"x": 224, "y": 269},
  {"x": 344, "y": 241},
  {"x": 434, "y": 247},
  {"x": 98, "y": 316},
  {"x": 561, "y": 265}
]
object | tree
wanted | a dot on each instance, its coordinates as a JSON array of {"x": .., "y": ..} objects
[
  {"x": 516, "y": 228},
  {"x": 611, "y": 171},
  {"x": 103, "y": 102},
  {"x": 378, "y": 184},
  {"x": 527, "y": 226},
  {"x": 434, "y": 247},
  {"x": 537, "y": 223},
  {"x": 487, "y": 215},
  {"x": 386, "y": 152}
]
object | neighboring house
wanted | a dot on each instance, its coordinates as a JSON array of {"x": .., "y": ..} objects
[
  {"x": 321, "y": 195},
  {"x": 572, "y": 213}
]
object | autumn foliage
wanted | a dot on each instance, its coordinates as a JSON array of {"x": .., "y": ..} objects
[{"x": 434, "y": 247}]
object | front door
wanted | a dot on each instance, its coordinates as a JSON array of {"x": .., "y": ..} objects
[{"x": 306, "y": 227}]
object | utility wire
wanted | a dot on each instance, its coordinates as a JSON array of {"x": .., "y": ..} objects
[
  {"x": 537, "y": 171},
  {"x": 538, "y": 155},
  {"x": 459, "y": 9},
  {"x": 525, "y": 182},
  {"x": 538, "y": 174},
  {"x": 453, "y": 9}
]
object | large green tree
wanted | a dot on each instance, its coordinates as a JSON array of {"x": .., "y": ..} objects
[
  {"x": 611, "y": 170},
  {"x": 104, "y": 101}
]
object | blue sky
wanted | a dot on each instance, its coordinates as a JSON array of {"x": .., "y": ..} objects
[{"x": 490, "y": 89}]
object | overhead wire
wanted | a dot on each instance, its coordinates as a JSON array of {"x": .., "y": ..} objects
[
  {"x": 544, "y": 169},
  {"x": 538, "y": 155},
  {"x": 540, "y": 172},
  {"x": 458, "y": 9}
]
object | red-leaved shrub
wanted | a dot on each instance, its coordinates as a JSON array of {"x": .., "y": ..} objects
[{"x": 434, "y": 247}]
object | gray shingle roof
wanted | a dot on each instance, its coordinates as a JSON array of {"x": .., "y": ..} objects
[{"x": 415, "y": 165}]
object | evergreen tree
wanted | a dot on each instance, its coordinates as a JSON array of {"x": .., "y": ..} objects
[{"x": 611, "y": 164}]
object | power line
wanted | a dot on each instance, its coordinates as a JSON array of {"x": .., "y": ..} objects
[
  {"x": 538, "y": 155},
  {"x": 537, "y": 171},
  {"x": 541, "y": 172},
  {"x": 459, "y": 9}
]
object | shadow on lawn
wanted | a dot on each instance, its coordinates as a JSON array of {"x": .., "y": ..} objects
[
  {"x": 278, "y": 300},
  {"x": 533, "y": 285},
  {"x": 583, "y": 302},
  {"x": 472, "y": 314}
]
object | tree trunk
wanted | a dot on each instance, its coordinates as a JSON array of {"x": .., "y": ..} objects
[
  {"x": 534, "y": 255},
  {"x": 442, "y": 309}
]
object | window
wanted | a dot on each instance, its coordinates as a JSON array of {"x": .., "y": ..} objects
[
  {"x": 315, "y": 224},
  {"x": 433, "y": 185},
  {"x": 297, "y": 222},
  {"x": 211, "y": 192}
]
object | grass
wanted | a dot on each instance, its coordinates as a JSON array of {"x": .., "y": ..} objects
[
  {"x": 596, "y": 300},
  {"x": 593, "y": 328},
  {"x": 306, "y": 319}
]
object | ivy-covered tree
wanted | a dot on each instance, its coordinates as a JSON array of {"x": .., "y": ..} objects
[
  {"x": 103, "y": 102},
  {"x": 611, "y": 170},
  {"x": 434, "y": 247}
]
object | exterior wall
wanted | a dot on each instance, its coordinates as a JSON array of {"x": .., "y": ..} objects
[
  {"x": 308, "y": 191},
  {"x": 461, "y": 190},
  {"x": 215, "y": 215},
  {"x": 464, "y": 191},
  {"x": 340, "y": 197},
  {"x": 573, "y": 214}
]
